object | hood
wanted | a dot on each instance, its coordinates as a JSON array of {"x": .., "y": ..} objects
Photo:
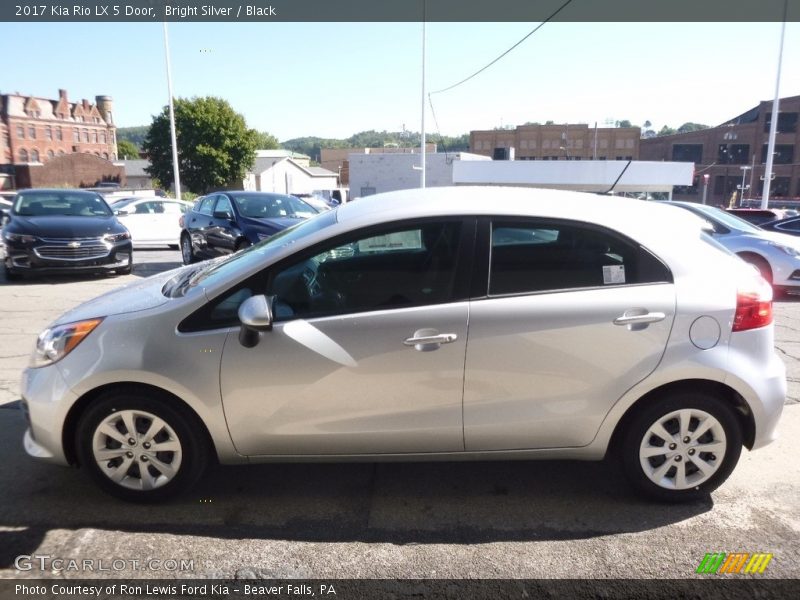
[
  {"x": 133, "y": 297},
  {"x": 779, "y": 238},
  {"x": 65, "y": 226},
  {"x": 272, "y": 224}
]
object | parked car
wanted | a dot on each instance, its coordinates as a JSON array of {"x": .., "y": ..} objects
[
  {"x": 226, "y": 222},
  {"x": 64, "y": 230},
  {"x": 318, "y": 202},
  {"x": 152, "y": 221},
  {"x": 758, "y": 216},
  {"x": 476, "y": 323},
  {"x": 775, "y": 255},
  {"x": 789, "y": 226}
]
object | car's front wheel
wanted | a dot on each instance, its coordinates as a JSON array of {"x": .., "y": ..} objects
[
  {"x": 187, "y": 252},
  {"x": 140, "y": 447},
  {"x": 681, "y": 447}
]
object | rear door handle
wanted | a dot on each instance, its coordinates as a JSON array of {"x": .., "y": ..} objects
[{"x": 651, "y": 317}]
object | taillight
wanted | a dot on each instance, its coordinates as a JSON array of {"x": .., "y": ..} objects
[{"x": 753, "y": 303}]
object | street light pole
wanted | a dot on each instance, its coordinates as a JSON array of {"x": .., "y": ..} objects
[
  {"x": 744, "y": 169},
  {"x": 773, "y": 126},
  {"x": 705, "y": 187},
  {"x": 176, "y": 173}
]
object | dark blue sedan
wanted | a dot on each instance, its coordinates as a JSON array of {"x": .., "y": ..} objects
[{"x": 226, "y": 222}]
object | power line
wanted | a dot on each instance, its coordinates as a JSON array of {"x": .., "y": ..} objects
[{"x": 479, "y": 71}]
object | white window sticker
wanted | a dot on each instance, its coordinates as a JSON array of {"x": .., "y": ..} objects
[{"x": 613, "y": 274}]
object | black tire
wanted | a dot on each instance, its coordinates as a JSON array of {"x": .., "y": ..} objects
[
  {"x": 126, "y": 270},
  {"x": 633, "y": 437},
  {"x": 192, "y": 457},
  {"x": 242, "y": 244},
  {"x": 187, "y": 251},
  {"x": 12, "y": 276}
]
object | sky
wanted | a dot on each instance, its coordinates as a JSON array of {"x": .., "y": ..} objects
[{"x": 336, "y": 79}]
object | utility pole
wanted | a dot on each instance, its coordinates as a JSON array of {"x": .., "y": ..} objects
[
  {"x": 422, "y": 142},
  {"x": 176, "y": 173},
  {"x": 773, "y": 126}
]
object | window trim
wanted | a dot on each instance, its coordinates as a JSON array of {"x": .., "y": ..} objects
[{"x": 481, "y": 284}]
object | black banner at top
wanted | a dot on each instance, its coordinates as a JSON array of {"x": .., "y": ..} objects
[{"x": 398, "y": 10}]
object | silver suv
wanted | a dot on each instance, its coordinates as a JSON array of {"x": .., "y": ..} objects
[{"x": 450, "y": 323}]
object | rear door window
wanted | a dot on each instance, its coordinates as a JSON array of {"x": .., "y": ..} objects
[{"x": 529, "y": 257}]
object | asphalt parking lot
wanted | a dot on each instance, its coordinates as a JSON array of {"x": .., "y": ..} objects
[{"x": 439, "y": 520}]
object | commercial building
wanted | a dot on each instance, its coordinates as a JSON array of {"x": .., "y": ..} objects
[
  {"x": 336, "y": 159},
  {"x": 35, "y": 131},
  {"x": 557, "y": 142},
  {"x": 735, "y": 153}
]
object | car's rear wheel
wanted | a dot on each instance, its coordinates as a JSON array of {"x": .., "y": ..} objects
[
  {"x": 187, "y": 252},
  {"x": 141, "y": 448},
  {"x": 681, "y": 447}
]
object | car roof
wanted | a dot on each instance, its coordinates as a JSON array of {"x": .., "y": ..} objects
[{"x": 629, "y": 216}]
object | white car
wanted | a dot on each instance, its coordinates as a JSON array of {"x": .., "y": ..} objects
[
  {"x": 775, "y": 255},
  {"x": 152, "y": 221},
  {"x": 440, "y": 324}
]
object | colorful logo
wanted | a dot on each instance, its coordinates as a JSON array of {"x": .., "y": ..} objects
[{"x": 735, "y": 562}]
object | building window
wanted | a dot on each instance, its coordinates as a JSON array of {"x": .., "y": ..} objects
[
  {"x": 48, "y": 133},
  {"x": 784, "y": 154},
  {"x": 23, "y": 155},
  {"x": 102, "y": 137},
  {"x": 733, "y": 154},
  {"x": 108, "y": 117},
  {"x": 94, "y": 137},
  {"x": 50, "y": 154},
  {"x": 76, "y": 135},
  {"x": 59, "y": 134},
  {"x": 787, "y": 122},
  {"x": 61, "y": 153},
  {"x": 113, "y": 157},
  {"x": 105, "y": 155},
  {"x": 97, "y": 154},
  {"x": 34, "y": 156},
  {"x": 619, "y": 144},
  {"x": 32, "y": 132},
  {"x": 86, "y": 136},
  {"x": 687, "y": 153},
  {"x": 20, "y": 132}
]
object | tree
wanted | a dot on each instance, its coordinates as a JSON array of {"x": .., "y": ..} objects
[
  {"x": 665, "y": 131},
  {"x": 624, "y": 123},
  {"x": 265, "y": 141},
  {"x": 127, "y": 150},
  {"x": 215, "y": 147},
  {"x": 687, "y": 127}
]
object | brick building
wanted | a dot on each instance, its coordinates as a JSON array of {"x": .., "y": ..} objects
[
  {"x": 37, "y": 130},
  {"x": 737, "y": 151},
  {"x": 557, "y": 142}
]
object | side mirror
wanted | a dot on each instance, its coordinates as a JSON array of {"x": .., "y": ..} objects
[
  {"x": 223, "y": 214},
  {"x": 255, "y": 314}
]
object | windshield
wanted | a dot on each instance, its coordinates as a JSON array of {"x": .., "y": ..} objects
[
  {"x": 221, "y": 268},
  {"x": 727, "y": 219},
  {"x": 58, "y": 203},
  {"x": 271, "y": 206}
]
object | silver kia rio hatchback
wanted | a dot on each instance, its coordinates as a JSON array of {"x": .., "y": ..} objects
[{"x": 448, "y": 323}]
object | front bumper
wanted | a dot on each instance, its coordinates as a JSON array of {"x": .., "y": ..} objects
[
  {"x": 29, "y": 259},
  {"x": 47, "y": 401}
]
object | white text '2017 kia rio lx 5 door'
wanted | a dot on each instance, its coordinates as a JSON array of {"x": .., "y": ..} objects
[{"x": 448, "y": 323}]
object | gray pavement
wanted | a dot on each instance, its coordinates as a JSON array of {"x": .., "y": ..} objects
[{"x": 461, "y": 520}]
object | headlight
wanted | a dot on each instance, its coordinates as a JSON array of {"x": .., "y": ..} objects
[
  {"x": 55, "y": 343},
  {"x": 19, "y": 237},
  {"x": 787, "y": 249},
  {"x": 117, "y": 237}
]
